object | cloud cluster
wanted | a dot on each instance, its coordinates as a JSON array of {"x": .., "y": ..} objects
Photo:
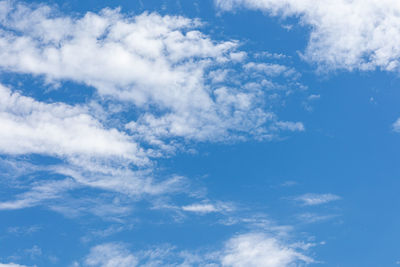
[
  {"x": 177, "y": 84},
  {"x": 91, "y": 154},
  {"x": 250, "y": 249},
  {"x": 344, "y": 34},
  {"x": 163, "y": 65}
]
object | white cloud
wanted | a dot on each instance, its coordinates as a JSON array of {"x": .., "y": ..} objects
[
  {"x": 314, "y": 217},
  {"x": 313, "y": 97},
  {"x": 110, "y": 255},
  {"x": 203, "y": 208},
  {"x": 11, "y": 265},
  {"x": 23, "y": 230},
  {"x": 57, "y": 129},
  {"x": 258, "y": 249},
  {"x": 200, "y": 208},
  {"x": 170, "y": 73},
  {"x": 356, "y": 34},
  {"x": 33, "y": 252},
  {"x": 291, "y": 126},
  {"x": 269, "y": 69},
  {"x": 252, "y": 249},
  {"x": 92, "y": 154},
  {"x": 316, "y": 199},
  {"x": 396, "y": 126},
  {"x": 38, "y": 193},
  {"x": 183, "y": 85}
]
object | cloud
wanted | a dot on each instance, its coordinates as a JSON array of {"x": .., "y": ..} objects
[
  {"x": 204, "y": 208},
  {"x": 110, "y": 255},
  {"x": 313, "y": 217},
  {"x": 11, "y": 265},
  {"x": 396, "y": 126},
  {"x": 270, "y": 69},
  {"x": 181, "y": 85},
  {"x": 169, "y": 78},
  {"x": 291, "y": 126},
  {"x": 358, "y": 34},
  {"x": 263, "y": 244},
  {"x": 23, "y": 230},
  {"x": 57, "y": 129},
  {"x": 316, "y": 199},
  {"x": 90, "y": 153},
  {"x": 250, "y": 249},
  {"x": 200, "y": 208},
  {"x": 33, "y": 252},
  {"x": 38, "y": 193},
  {"x": 258, "y": 249},
  {"x": 313, "y": 97},
  {"x": 307, "y": 104}
]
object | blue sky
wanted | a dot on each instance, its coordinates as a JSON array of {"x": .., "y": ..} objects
[{"x": 199, "y": 133}]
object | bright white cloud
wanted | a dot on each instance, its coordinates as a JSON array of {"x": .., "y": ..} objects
[
  {"x": 316, "y": 199},
  {"x": 251, "y": 249},
  {"x": 345, "y": 34},
  {"x": 29, "y": 126},
  {"x": 258, "y": 249},
  {"x": 200, "y": 208}
]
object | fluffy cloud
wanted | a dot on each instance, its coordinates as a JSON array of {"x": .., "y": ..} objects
[
  {"x": 179, "y": 83},
  {"x": 316, "y": 199},
  {"x": 57, "y": 129},
  {"x": 345, "y": 34},
  {"x": 251, "y": 249},
  {"x": 90, "y": 153},
  {"x": 258, "y": 249},
  {"x": 163, "y": 65}
]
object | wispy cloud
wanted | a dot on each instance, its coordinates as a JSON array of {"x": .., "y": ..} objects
[
  {"x": 396, "y": 126},
  {"x": 111, "y": 255},
  {"x": 39, "y": 193},
  {"x": 314, "y": 217},
  {"x": 11, "y": 265},
  {"x": 316, "y": 199},
  {"x": 23, "y": 230},
  {"x": 203, "y": 208}
]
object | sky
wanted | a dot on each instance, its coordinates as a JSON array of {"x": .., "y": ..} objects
[{"x": 199, "y": 133}]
